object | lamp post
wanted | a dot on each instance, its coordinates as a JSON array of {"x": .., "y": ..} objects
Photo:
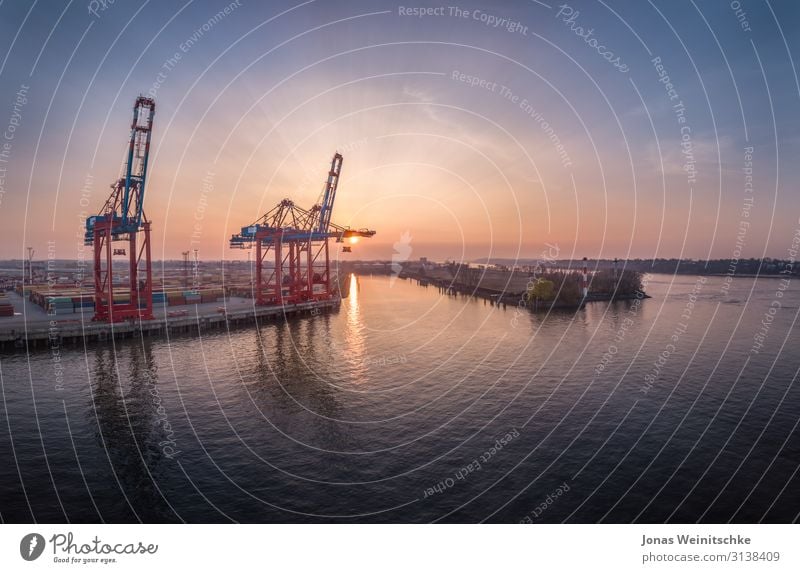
[{"x": 30, "y": 265}]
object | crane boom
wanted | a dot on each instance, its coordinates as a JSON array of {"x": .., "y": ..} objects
[
  {"x": 326, "y": 208},
  {"x": 138, "y": 156},
  {"x": 292, "y": 222},
  {"x": 125, "y": 206}
]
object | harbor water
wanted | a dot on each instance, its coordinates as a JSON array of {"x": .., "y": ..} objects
[{"x": 410, "y": 405}]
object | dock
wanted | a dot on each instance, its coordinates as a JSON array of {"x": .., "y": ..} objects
[{"x": 31, "y": 327}]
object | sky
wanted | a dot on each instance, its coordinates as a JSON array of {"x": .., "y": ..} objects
[{"x": 514, "y": 129}]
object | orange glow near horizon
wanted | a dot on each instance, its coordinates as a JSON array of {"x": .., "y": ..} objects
[{"x": 451, "y": 150}]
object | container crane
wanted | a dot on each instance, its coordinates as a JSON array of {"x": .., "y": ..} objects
[
  {"x": 296, "y": 240},
  {"x": 121, "y": 219}
]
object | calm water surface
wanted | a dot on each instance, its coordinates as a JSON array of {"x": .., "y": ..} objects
[{"x": 410, "y": 405}]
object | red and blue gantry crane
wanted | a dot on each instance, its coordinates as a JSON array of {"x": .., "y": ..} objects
[
  {"x": 122, "y": 219},
  {"x": 292, "y": 262}
]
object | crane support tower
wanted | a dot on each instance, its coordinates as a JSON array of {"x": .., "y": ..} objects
[
  {"x": 122, "y": 219},
  {"x": 292, "y": 252}
]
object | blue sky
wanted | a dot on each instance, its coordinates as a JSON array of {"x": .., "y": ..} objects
[{"x": 553, "y": 145}]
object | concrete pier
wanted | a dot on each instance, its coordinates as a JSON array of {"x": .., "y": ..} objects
[{"x": 33, "y": 328}]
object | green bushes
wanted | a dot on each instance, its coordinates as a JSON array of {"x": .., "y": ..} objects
[
  {"x": 627, "y": 283},
  {"x": 556, "y": 286},
  {"x": 542, "y": 290},
  {"x": 565, "y": 288}
]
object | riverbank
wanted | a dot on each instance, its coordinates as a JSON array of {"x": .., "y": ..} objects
[{"x": 509, "y": 288}]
